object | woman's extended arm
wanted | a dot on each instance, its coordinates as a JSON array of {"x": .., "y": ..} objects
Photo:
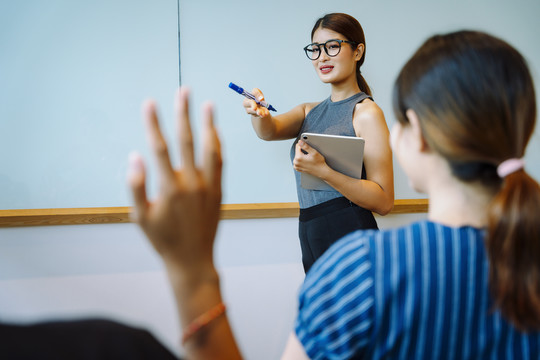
[
  {"x": 376, "y": 193},
  {"x": 279, "y": 127}
]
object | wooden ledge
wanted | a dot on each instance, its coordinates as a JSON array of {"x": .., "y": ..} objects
[{"x": 114, "y": 215}]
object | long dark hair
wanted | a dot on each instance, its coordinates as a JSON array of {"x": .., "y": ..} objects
[
  {"x": 351, "y": 29},
  {"x": 475, "y": 100}
]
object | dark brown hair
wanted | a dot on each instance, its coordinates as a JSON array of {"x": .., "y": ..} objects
[
  {"x": 475, "y": 100},
  {"x": 351, "y": 29}
]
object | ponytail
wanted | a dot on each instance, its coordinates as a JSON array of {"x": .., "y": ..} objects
[
  {"x": 476, "y": 102},
  {"x": 513, "y": 246},
  {"x": 362, "y": 83}
]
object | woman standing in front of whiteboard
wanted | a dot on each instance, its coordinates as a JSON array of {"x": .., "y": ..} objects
[{"x": 337, "y": 51}]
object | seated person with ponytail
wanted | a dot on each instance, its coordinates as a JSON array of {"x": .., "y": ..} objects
[{"x": 465, "y": 283}]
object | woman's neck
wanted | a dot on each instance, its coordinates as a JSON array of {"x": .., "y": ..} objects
[
  {"x": 456, "y": 203},
  {"x": 344, "y": 90}
]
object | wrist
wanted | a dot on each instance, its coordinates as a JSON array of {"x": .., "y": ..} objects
[
  {"x": 325, "y": 172},
  {"x": 193, "y": 275},
  {"x": 195, "y": 290}
]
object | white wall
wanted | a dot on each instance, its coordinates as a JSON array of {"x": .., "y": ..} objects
[{"x": 111, "y": 271}]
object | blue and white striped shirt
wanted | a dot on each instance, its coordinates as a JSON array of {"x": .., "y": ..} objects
[{"x": 415, "y": 292}]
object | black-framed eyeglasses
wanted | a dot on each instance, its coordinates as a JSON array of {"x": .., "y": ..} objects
[{"x": 332, "y": 47}]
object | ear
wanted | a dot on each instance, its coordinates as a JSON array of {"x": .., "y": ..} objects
[
  {"x": 359, "y": 52},
  {"x": 417, "y": 130}
]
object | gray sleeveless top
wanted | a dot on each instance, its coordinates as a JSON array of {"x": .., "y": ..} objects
[{"x": 334, "y": 118}]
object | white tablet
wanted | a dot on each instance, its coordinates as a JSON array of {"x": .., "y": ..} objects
[{"x": 342, "y": 153}]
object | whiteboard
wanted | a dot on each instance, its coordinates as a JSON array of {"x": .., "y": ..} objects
[{"x": 74, "y": 74}]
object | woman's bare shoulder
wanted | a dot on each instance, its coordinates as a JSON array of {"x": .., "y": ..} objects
[{"x": 367, "y": 110}]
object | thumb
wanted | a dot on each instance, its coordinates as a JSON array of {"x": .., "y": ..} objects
[{"x": 137, "y": 181}]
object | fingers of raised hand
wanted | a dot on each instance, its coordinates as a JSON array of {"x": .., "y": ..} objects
[
  {"x": 157, "y": 142},
  {"x": 137, "y": 182},
  {"x": 183, "y": 217},
  {"x": 185, "y": 136},
  {"x": 212, "y": 160}
]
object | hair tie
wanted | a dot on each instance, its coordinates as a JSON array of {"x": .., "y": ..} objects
[{"x": 509, "y": 166}]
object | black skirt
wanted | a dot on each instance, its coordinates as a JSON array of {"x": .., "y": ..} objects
[{"x": 322, "y": 225}]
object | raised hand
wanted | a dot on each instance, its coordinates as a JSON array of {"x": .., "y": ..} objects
[{"x": 181, "y": 221}]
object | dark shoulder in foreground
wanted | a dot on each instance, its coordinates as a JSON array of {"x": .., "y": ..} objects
[{"x": 80, "y": 339}]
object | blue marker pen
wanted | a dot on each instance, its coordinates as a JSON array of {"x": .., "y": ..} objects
[{"x": 249, "y": 95}]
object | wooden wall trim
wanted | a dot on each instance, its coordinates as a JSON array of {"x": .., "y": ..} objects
[{"x": 113, "y": 215}]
